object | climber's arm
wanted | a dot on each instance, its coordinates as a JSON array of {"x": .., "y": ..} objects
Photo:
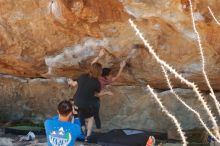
[
  {"x": 102, "y": 93},
  {"x": 122, "y": 65},
  {"x": 101, "y": 53}
]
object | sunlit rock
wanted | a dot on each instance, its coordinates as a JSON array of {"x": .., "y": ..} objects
[{"x": 44, "y": 42}]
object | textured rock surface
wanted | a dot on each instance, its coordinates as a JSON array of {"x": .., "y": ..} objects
[
  {"x": 130, "y": 107},
  {"x": 63, "y": 35}
]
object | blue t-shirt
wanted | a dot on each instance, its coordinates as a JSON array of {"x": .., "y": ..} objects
[{"x": 61, "y": 133}]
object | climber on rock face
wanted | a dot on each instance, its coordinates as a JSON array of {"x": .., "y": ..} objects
[
  {"x": 84, "y": 98},
  {"x": 105, "y": 79}
]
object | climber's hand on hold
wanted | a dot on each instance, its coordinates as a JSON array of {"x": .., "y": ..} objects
[
  {"x": 122, "y": 64},
  {"x": 109, "y": 93},
  {"x": 102, "y": 52},
  {"x": 72, "y": 83}
]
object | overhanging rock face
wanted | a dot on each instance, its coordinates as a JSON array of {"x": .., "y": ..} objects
[{"x": 61, "y": 37}]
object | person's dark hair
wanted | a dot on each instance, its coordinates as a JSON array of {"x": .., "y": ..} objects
[
  {"x": 64, "y": 107},
  {"x": 95, "y": 70},
  {"x": 105, "y": 72}
]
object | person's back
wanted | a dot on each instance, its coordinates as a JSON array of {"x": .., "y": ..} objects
[
  {"x": 87, "y": 87},
  {"x": 61, "y": 133},
  {"x": 59, "y": 130}
]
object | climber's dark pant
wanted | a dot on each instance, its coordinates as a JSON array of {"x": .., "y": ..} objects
[
  {"x": 96, "y": 114},
  {"x": 85, "y": 113}
]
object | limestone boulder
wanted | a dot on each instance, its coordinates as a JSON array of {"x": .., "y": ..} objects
[{"x": 130, "y": 107}]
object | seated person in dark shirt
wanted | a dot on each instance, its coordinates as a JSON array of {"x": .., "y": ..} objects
[{"x": 60, "y": 130}]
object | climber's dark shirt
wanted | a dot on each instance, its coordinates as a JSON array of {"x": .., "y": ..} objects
[{"x": 85, "y": 94}]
